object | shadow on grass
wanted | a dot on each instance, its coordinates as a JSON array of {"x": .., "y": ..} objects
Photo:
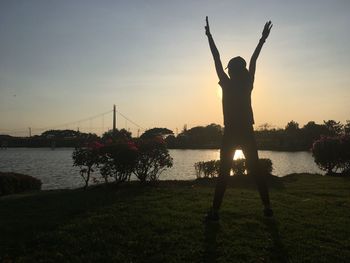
[
  {"x": 244, "y": 181},
  {"x": 210, "y": 245},
  {"x": 278, "y": 251}
]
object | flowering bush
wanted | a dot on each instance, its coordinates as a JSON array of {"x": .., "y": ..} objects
[
  {"x": 332, "y": 154},
  {"x": 153, "y": 158},
  {"x": 118, "y": 160},
  {"x": 87, "y": 158}
]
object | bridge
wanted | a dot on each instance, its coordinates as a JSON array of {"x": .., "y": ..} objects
[{"x": 98, "y": 124}]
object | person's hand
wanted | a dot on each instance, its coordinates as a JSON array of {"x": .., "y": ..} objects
[
  {"x": 207, "y": 29},
  {"x": 266, "y": 30}
]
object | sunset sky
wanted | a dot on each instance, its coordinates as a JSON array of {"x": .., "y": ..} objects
[{"x": 61, "y": 61}]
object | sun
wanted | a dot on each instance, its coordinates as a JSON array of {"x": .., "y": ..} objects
[{"x": 238, "y": 155}]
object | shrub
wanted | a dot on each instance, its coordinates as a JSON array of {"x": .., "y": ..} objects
[
  {"x": 11, "y": 183},
  {"x": 211, "y": 169},
  {"x": 238, "y": 167},
  {"x": 332, "y": 154},
  {"x": 118, "y": 160},
  {"x": 208, "y": 169},
  {"x": 153, "y": 158},
  {"x": 86, "y": 159}
]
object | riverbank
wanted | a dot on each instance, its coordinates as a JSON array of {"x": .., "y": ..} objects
[{"x": 163, "y": 223}]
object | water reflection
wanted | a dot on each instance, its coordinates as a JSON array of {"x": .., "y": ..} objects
[{"x": 55, "y": 168}]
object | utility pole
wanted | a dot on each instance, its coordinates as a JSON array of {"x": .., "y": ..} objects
[
  {"x": 114, "y": 119},
  {"x": 30, "y": 132}
]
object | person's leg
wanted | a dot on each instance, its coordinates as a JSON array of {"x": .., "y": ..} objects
[
  {"x": 250, "y": 151},
  {"x": 226, "y": 155}
]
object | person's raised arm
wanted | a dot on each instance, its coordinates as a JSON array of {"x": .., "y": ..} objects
[
  {"x": 218, "y": 66},
  {"x": 265, "y": 34}
]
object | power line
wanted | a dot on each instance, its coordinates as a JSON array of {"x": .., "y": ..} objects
[
  {"x": 74, "y": 122},
  {"x": 77, "y": 124},
  {"x": 130, "y": 120}
]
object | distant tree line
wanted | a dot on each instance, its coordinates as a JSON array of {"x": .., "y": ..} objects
[
  {"x": 295, "y": 138},
  {"x": 199, "y": 137},
  {"x": 291, "y": 138},
  {"x": 50, "y": 138}
]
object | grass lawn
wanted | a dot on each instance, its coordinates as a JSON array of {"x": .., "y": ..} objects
[{"x": 163, "y": 223}]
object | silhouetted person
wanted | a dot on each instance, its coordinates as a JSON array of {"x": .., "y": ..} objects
[{"x": 238, "y": 120}]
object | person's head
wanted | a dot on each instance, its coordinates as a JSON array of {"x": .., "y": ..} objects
[{"x": 236, "y": 67}]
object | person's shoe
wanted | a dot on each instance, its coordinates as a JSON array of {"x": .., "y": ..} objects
[
  {"x": 268, "y": 212},
  {"x": 211, "y": 216}
]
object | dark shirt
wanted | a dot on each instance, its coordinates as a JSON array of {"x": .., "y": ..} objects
[{"x": 236, "y": 102}]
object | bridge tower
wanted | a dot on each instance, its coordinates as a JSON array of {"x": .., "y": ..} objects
[{"x": 114, "y": 119}]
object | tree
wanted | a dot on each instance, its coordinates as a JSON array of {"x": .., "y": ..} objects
[
  {"x": 202, "y": 136},
  {"x": 265, "y": 127},
  {"x": 347, "y": 127},
  {"x": 333, "y": 127},
  {"x": 116, "y": 135},
  {"x": 87, "y": 159},
  {"x": 311, "y": 132},
  {"x": 312, "y": 126},
  {"x": 153, "y": 158},
  {"x": 155, "y": 132},
  {"x": 68, "y": 134},
  {"x": 60, "y": 134},
  {"x": 118, "y": 160},
  {"x": 171, "y": 141},
  {"x": 292, "y": 126},
  {"x": 332, "y": 153}
]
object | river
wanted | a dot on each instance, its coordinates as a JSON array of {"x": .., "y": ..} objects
[{"x": 54, "y": 167}]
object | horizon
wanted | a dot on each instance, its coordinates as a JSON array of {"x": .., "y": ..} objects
[
  {"x": 29, "y": 132},
  {"x": 63, "y": 62}
]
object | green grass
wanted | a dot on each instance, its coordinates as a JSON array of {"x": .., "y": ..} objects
[{"x": 163, "y": 223}]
